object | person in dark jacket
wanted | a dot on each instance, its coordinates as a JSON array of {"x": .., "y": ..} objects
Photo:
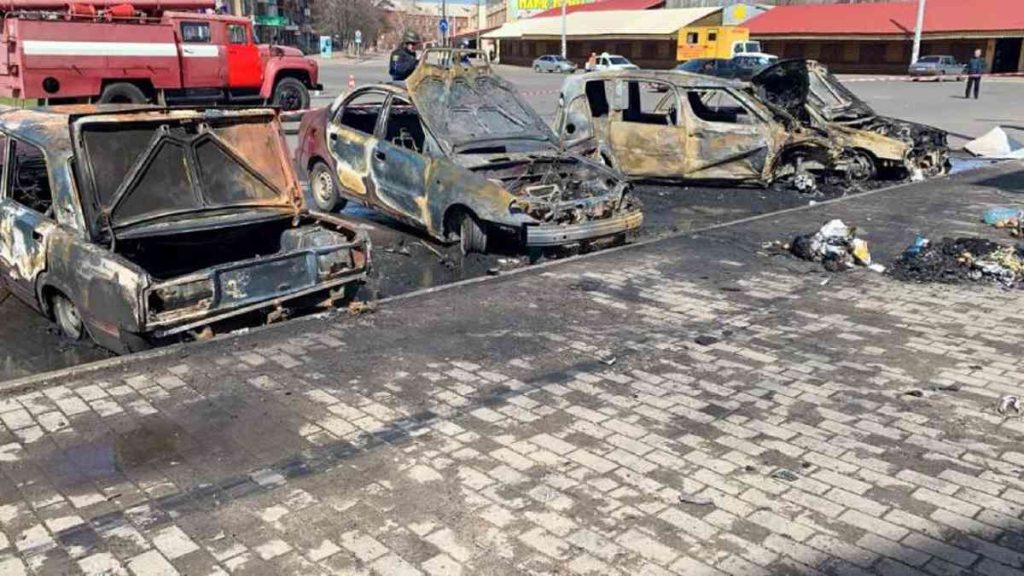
[
  {"x": 403, "y": 58},
  {"x": 975, "y": 68}
]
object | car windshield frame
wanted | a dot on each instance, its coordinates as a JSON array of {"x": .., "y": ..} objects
[
  {"x": 618, "y": 61},
  {"x": 929, "y": 60}
]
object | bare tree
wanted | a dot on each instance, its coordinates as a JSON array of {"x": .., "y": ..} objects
[{"x": 341, "y": 18}]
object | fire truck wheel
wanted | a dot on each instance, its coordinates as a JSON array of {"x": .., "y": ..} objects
[
  {"x": 291, "y": 94},
  {"x": 122, "y": 93}
]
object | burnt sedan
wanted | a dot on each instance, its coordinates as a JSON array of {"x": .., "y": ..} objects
[
  {"x": 814, "y": 96},
  {"x": 457, "y": 153},
  {"x": 132, "y": 225}
]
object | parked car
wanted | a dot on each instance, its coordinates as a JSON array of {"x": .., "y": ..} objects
[
  {"x": 608, "y": 61},
  {"x": 709, "y": 129},
  {"x": 134, "y": 224},
  {"x": 818, "y": 100},
  {"x": 553, "y": 63},
  {"x": 718, "y": 67},
  {"x": 457, "y": 153},
  {"x": 938, "y": 67},
  {"x": 746, "y": 66}
]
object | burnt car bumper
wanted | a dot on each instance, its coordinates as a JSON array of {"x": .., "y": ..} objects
[
  {"x": 550, "y": 235},
  {"x": 262, "y": 284}
]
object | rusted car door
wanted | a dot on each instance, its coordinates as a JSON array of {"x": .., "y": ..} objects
[
  {"x": 726, "y": 137},
  {"x": 398, "y": 165},
  {"x": 25, "y": 221},
  {"x": 351, "y": 140},
  {"x": 645, "y": 133}
]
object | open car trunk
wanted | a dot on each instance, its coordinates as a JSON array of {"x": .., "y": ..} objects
[{"x": 207, "y": 204}]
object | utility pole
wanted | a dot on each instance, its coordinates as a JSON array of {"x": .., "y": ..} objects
[
  {"x": 917, "y": 31},
  {"x": 564, "y": 4},
  {"x": 479, "y": 24},
  {"x": 444, "y": 16}
]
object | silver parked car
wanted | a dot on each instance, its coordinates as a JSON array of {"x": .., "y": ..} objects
[
  {"x": 553, "y": 63},
  {"x": 938, "y": 67}
]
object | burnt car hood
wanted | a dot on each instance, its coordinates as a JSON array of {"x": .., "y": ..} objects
[
  {"x": 470, "y": 105},
  {"x": 795, "y": 85},
  {"x": 139, "y": 167}
]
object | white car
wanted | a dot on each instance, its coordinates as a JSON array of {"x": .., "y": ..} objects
[{"x": 608, "y": 61}]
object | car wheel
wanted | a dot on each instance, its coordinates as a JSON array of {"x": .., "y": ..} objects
[
  {"x": 472, "y": 236},
  {"x": 536, "y": 68},
  {"x": 68, "y": 319},
  {"x": 122, "y": 93},
  {"x": 290, "y": 94},
  {"x": 323, "y": 189},
  {"x": 862, "y": 167}
]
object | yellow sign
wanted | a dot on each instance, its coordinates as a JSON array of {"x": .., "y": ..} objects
[
  {"x": 547, "y": 4},
  {"x": 739, "y": 12}
]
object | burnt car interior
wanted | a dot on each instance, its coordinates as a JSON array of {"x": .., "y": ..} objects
[
  {"x": 30, "y": 182},
  {"x": 362, "y": 112},
  {"x": 403, "y": 127}
]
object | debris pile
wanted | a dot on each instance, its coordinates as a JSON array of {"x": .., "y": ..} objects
[
  {"x": 959, "y": 260},
  {"x": 835, "y": 245}
]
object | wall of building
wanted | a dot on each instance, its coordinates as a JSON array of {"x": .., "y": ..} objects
[
  {"x": 880, "y": 56},
  {"x": 644, "y": 53}
]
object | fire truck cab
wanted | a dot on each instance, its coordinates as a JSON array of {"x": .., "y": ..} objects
[{"x": 121, "y": 54}]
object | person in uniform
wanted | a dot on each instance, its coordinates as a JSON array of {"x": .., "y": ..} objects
[{"x": 403, "y": 58}]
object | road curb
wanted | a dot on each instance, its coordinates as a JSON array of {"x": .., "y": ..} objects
[{"x": 26, "y": 383}]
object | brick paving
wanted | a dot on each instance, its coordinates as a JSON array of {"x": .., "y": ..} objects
[{"x": 561, "y": 421}]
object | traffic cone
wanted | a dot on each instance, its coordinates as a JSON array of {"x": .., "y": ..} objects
[{"x": 351, "y": 81}]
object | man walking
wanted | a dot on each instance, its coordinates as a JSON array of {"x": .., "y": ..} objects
[
  {"x": 975, "y": 68},
  {"x": 403, "y": 58}
]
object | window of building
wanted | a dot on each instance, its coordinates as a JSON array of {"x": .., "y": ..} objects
[
  {"x": 692, "y": 38},
  {"x": 712, "y": 36},
  {"x": 29, "y": 179},
  {"x": 718, "y": 106},
  {"x": 236, "y": 34}
]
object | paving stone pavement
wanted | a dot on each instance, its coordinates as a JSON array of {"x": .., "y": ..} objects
[{"x": 685, "y": 407}]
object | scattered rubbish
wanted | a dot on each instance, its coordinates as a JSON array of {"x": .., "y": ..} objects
[
  {"x": 959, "y": 260},
  {"x": 1011, "y": 219},
  {"x": 695, "y": 499},
  {"x": 947, "y": 388},
  {"x": 608, "y": 359},
  {"x": 915, "y": 393},
  {"x": 996, "y": 143},
  {"x": 357, "y": 307},
  {"x": 493, "y": 271},
  {"x": 786, "y": 475},
  {"x": 876, "y": 267},
  {"x": 920, "y": 243},
  {"x": 1009, "y": 403},
  {"x": 825, "y": 281},
  {"x": 400, "y": 248},
  {"x": 835, "y": 245},
  {"x": 705, "y": 340}
]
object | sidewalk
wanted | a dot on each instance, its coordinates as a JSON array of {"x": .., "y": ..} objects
[{"x": 685, "y": 406}]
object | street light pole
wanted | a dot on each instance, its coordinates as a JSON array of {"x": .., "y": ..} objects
[
  {"x": 564, "y": 3},
  {"x": 444, "y": 16},
  {"x": 917, "y": 31}
]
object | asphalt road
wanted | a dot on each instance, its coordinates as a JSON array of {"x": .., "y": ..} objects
[{"x": 406, "y": 260}]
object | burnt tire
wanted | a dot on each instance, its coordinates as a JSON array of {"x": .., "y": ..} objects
[
  {"x": 323, "y": 189},
  {"x": 862, "y": 167},
  {"x": 123, "y": 93},
  {"x": 290, "y": 94},
  {"x": 65, "y": 313},
  {"x": 472, "y": 235}
]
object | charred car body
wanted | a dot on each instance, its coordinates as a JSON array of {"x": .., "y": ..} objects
[
  {"x": 131, "y": 224},
  {"x": 700, "y": 128},
  {"x": 815, "y": 97},
  {"x": 457, "y": 153}
]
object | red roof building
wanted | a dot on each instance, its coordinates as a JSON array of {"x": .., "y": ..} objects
[{"x": 876, "y": 37}]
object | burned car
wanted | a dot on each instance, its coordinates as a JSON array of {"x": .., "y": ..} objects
[
  {"x": 812, "y": 95},
  {"x": 135, "y": 224},
  {"x": 695, "y": 127},
  {"x": 457, "y": 153}
]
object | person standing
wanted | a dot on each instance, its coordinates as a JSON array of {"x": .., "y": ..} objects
[
  {"x": 975, "y": 68},
  {"x": 591, "y": 64},
  {"x": 403, "y": 58}
]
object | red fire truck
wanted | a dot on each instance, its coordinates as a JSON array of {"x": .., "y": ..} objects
[{"x": 163, "y": 51}]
